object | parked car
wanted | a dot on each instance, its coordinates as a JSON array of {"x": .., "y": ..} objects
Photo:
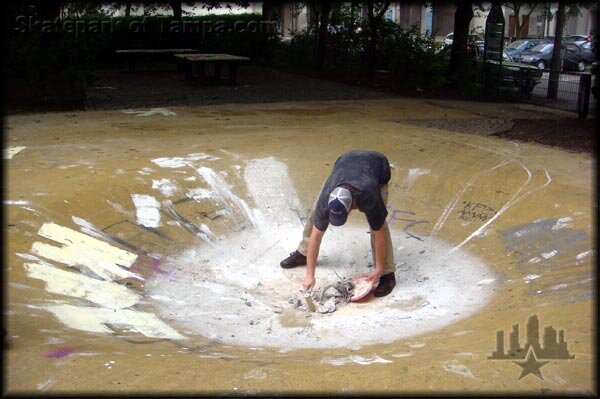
[
  {"x": 574, "y": 57},
  {"x": 515, "y": 74},
  {"x": 578, "y": 57},
  {"x": 518, "y": 46},
  {"x": 578, "y": 39},
  {"x": 474, "y": 40},
  {"x": 540, "y": 55}
]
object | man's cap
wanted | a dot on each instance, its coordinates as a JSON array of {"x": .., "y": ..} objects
[{"x": 339, "y": 204}]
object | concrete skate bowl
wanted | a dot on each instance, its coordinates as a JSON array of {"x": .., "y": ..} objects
[{"x": 143, "y": 251}]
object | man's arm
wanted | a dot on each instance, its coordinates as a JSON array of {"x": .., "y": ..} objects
[
  {"x": 380, "y": 248},
  {"x": 312, "y": 253}
]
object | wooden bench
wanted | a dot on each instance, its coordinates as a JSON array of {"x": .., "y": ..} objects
[
  {"x": 200, "y": 60},
  {"x": 132, "y": 54}
]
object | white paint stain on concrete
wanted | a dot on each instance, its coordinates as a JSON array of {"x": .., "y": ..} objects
[
  {"x": 413, "y": 174},
  {"x": 97, "y": 319},
  {"x": 363, "y": 361},
  {"x": 256, "y": 374},
  {"x": 486, "y": 281},
  {"x": 149, "y": 112},
  {"x": 464, "y": 332},
  {"x": 584, "y": 254},
  {"x": 147, "y": 210},
  {"x": 416, "y": 172},
  {"x": 119, "y": 208},
  {"x": 10, "y": 152},
  {"x": 455, "y": 367},
  {"x": 46, "y": 384},
  {"x": 199, "y": 193},
  {"x": 222, "y": 191},
  {"x": 531, "y": 277},
  {"x": 15, "y": 202},
  {"x": 145, "y": 171},
  {"x": 403, "y": 354},
  {"x": 535, "y": 259},
  {"x": 562, "y": 223},
  {"x": 550, "y": 254},
  {"x": 165, "y": 186},
  {"x": 103, "y": 259},
  {"x": 180, "y": 162},
  {"x": 109, "y": 294}
]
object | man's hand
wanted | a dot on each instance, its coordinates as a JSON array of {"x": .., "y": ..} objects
[
  {"x": 308, "y": 283},
  {"x": 374, "y": 277}
]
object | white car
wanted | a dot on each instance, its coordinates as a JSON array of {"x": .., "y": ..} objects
[{"x": 476, "y": 39}]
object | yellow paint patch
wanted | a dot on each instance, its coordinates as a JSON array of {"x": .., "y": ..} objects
[
  {"x": 109, "y": 294},
  {"x": 93, "y": 319},
  {"x": 80, "y": 249}
]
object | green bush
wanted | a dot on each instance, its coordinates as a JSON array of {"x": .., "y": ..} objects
[
  {"x": 301, "y": 50},
  {"x": 412, "y": 58}
]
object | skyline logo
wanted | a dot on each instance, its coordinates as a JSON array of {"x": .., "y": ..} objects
[{"x": 553, "y": 347}]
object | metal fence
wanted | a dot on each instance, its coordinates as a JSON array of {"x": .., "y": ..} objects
[{"x": 573, "y": 94}]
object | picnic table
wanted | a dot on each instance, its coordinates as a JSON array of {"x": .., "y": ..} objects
[
  {"x": 218, "y": 60},
  {"x": 132, "y": 54}
]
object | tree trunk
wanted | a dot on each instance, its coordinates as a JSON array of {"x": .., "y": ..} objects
[
  {"x": 373, "y": 35},
  {"x": 177, "y": 10},
  {"x": 458, "y": 55},
  {"x": 128, "y": 8},
  {"x": 321, "y": 51},
  {"x": 556, "y": 52},
  {"x": 518, "y": 26},
  {"x": 323, "y": 34}
]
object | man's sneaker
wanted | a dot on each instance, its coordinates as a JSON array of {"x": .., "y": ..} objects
[
  {"x": 295, "y": 259},
  {"x": 387, "y": 282}
]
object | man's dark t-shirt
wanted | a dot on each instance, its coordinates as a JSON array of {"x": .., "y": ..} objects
[{"x": 364, "y": 172}]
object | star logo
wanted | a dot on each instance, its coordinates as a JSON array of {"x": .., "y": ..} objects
[{"x": 531, "y": 365}]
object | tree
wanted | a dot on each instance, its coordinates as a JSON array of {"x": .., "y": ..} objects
[
  {"x": 323, "y": 34},
  {"x": 517, "y": 7},
  {"x": 269, "y": 9},
  {"x": 374, "y": 20},
  {"x": 177, "y": 9},
  {"x": 555, "y": 65},
  {"x": 458, "y": 54}
]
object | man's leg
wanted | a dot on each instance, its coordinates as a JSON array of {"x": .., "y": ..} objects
[
  {"x": 387, "y": 282},
  {"x": 303, "y": 246},
  {"x": 298, "y": 258}
]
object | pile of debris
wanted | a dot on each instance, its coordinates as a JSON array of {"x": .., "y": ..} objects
[{"x": 327, "y": 299}]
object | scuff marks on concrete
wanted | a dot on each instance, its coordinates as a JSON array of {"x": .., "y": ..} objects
[
  {"x": 355, "y": 359},
  {"x": 455, "y": 367},
  {"x": 551, "y": 254},
  {"x": 10, "y": 152},
  {"x": 541, "y": 245},
  {"x": 180, "y": 162},
  {"x": 149, "y": 112}
]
